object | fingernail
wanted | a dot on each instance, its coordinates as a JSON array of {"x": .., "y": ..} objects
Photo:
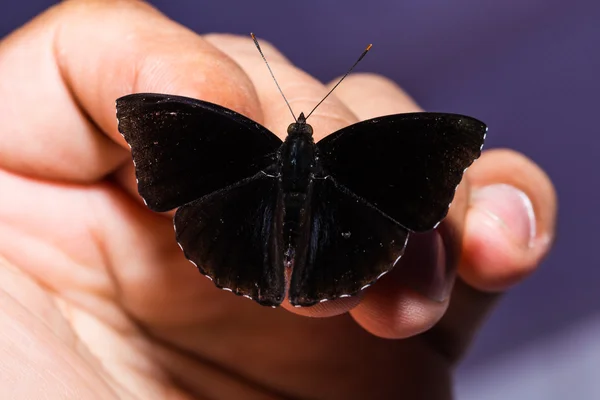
[{"x": 510, "y": 208}]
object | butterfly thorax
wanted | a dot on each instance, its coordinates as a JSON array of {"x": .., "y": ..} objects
[{"x": 297, "y": 157}]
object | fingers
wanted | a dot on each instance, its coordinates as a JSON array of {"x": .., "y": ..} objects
[
  {"x": 62, "y": 73},
  {"x": 302, "y": 91}
]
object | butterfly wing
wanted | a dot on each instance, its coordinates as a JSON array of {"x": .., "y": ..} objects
[
  {"x": 348, "y": 246},
  {"x": 234, "y": 237},
  {"x": 184, "y": 148},
  {"x": 406, "y": 165}
]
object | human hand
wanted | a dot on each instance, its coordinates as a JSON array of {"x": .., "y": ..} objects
[{"x": 97, "y": 300}]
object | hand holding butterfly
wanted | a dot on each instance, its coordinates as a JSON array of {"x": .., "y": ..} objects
[{"x": 99, "y": 302}]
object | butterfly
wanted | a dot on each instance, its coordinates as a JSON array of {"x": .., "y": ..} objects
[{"x": 266, "y": 218}]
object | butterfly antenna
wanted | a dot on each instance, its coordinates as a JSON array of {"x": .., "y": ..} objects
[
  {"x": 273, "y": 76},
  {"x": 364, "y": 53}
]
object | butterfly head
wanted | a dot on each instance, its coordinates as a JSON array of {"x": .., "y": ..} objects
[{"x": 300, "y": 127}]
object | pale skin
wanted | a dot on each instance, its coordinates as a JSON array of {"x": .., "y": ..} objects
[{"x": 96, "y": 299}]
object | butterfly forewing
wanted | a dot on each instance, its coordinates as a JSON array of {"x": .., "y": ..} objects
[
  {"x": 349, "y": 245},
  {"x": 184, "y": 148},
  {"x": 234, "y": 237},
  {"x": 406, "y": 165}
]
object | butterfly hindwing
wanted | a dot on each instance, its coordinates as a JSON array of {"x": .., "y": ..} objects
[
  {"x": 233, "y": 236},
  {"x": 185, "y": 148},
  {"x": 406, "y": 165},
  {"x": 348, "y": 245}
]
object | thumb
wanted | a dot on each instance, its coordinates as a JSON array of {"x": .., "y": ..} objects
[{"x": 509, "y": 229}]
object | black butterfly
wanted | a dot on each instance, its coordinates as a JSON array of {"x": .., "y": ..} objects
[{"x": 337, "y": 214}]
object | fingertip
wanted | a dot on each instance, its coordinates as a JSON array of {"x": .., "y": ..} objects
[
  {"x": 394, "y": 312},
  {"x": 511, "y": 221}
]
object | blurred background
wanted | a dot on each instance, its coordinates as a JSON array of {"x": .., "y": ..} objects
[{"x": 529, "y": 69}]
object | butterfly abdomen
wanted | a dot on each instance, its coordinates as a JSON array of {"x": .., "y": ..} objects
[{"x": 293, "y": 217}]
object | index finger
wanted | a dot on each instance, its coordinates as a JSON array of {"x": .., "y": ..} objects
[{"x": 62, "y": 72}]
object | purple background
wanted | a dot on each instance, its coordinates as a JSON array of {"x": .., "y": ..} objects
[{"x": 528, "y": 68}]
